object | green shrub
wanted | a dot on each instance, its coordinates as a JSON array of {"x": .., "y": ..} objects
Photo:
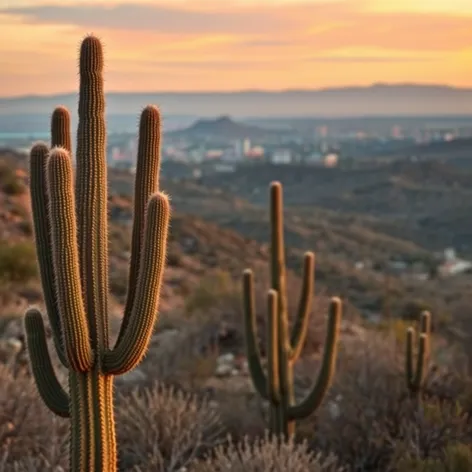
[
  {"x": 413, "y": 309},
  {"x": 457, "y": 458},
  {"x": 210, "y": 292},
  {"x": 9, "y": 182},
  {"x": 17, "y": 262},
  {"x": 13, "y": 186}
]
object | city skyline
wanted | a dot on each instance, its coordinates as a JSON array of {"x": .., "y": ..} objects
[{"x": 236, "y": 45}]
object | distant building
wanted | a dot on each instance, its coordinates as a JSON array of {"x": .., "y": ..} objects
[
  {"x": 257, "y": 152},
  {"x": 396, "y": 132},
  {"x": 281, "y": 156},
  {"x": 246, "y": 146},
  {"x": 452, "y": 265},
  {"x": 449, "y": 268},
  {"x": 214, "y": 154},
  {"x": 224, "y": 167},
  {"x": 330, "y": 160}
]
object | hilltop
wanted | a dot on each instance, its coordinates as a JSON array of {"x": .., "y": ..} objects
[{"x": 224, "y": 128}]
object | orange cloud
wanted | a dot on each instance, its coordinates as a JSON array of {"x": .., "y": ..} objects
[{"x": 201, "y": 45}]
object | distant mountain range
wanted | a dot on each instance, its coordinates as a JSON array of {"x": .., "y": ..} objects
[{"x": 375, "y": 100}]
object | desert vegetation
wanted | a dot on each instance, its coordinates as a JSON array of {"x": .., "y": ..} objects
[{"x": 241, "y": 371}]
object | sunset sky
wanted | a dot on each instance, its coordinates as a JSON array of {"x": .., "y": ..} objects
[{"x": 163, "y": 45}]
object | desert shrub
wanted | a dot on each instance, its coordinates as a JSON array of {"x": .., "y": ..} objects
[
  {"x": 455, "y": 458},
  {"x": 9, "y": 182},
  {"x": 265, "y": 455},
  {"x": 212, "y": 290},
  {"x": 369, "y": 417},
  {"x": 218, "y": 302},
  {"x": 27, "y": 428},
  {"x": 17, "y": 261},
  {"x": 13, "y": 186},
  {"x": 174, "y": 257},
  {"x": 413, "y": 308},
  {"x": 397, "y": 328},
  {"x": 30, "y": 464},
  {"x": 25, "y": 227},
  {"x": 162, "y": 429}
]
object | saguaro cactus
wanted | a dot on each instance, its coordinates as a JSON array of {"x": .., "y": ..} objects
[
  {"x": 284, "y": 347},
  {"x": 71, "y": 239},
  {"x": 415, "y": 376}
]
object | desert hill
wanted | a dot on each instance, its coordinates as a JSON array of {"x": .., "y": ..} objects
[
  {"x": 361, "y": 224},
  {"x": 224, "y": 128}
]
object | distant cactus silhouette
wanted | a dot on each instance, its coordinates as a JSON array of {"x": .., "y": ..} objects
[
  {"x": 71, "y": 237},
  {"x": 283, "y": 348},
  {"x": 415, "y": 376}
]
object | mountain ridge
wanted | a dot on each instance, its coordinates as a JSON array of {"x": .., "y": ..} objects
[
  {"x": 373, "y": 100},
  {"x": 377, "y": 85}
]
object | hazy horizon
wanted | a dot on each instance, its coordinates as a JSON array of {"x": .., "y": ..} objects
[
  {"x": 162, "y": 46},
  {"x": 246, "y": 91}
]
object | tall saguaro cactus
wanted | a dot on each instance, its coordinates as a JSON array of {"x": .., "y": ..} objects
[
  {"x": 285, "y": 346},
  {"x": 71, "y": 236},
  {"x": 415, "y": 376}
]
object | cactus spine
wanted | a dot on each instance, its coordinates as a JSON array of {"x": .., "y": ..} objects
[
  {"x": 415, "y": 376},
  {"x": 284, "y": 348},
  {"x": 71, "y": 239}
]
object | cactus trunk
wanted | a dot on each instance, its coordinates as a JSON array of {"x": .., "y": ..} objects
[{"x": 96, "y": 449}]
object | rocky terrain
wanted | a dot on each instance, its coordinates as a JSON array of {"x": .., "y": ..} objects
[{"x": 198, "y": 345}]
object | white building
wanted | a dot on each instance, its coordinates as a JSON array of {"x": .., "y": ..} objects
[{"x": 281, "y": 156}]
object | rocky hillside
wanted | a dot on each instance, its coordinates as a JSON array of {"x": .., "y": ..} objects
[{"x": 216, "y": 231}]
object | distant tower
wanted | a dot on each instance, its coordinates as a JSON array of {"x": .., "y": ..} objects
[
  {"x": 238, "y": 148},
  {"x": 450, "y": 254},
  {"x": 246, "y": 146},
  {"x": 396, "y": 132}
]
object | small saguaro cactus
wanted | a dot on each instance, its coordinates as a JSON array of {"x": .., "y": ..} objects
[
  {"x": 415, "y": 376},
  {"x": 71, "y": 234},
  {"x": 284, "y": 347}
]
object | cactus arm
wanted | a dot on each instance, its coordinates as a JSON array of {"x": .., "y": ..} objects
[
  {"x": 314, "y": 398},
  {"x": 60, "y": 129},
  {"x": 273, "y": 383},
  {"x": 66, "y": 261},
  {"x": 250, "y": 328},
  {"x": 425, "y": 321},
  {"x": 42, "y": 232},
  {"x": 130, "y": 350},
  {"x": 146, "y": 184},
  {"x": 273, "y": 373},
  {"x": 425, "y": 328},
  {"x": 421, "y": 361},
  {"x": 410, "y": 334},
  {"x": 91, "y": 191},
  {"x": 300, "y": 328},
  {"x": 49, "y": 387}
]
